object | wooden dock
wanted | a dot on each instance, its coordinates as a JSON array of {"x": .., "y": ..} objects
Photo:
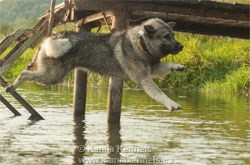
[{"x": 191, "y": 16}]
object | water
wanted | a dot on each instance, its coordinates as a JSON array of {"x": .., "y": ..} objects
[{"x": 210, "y": 129}]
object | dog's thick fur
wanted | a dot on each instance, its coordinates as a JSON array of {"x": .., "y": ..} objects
[{"x": 132, "y": 54}]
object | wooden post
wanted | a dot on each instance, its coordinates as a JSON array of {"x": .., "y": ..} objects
[
  {"x": 119, "y": 22},
  {"x": 79, "y": 139},
  {"x": 114, "y": 141},
  {"x": 80, "y": 91},
  {"x": 80, "y": 86},
  {"x": 52, "y": 17}
]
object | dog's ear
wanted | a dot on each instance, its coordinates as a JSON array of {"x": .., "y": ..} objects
[
  {"x": 171, "y": 24},
  {"x": 149, "y": 29}
]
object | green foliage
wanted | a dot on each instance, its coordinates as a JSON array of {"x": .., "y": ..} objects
[
  {"x": 212, "y": 63},
  {"x": 234, "y": 1},
  {"x": 19, "y": 65},
  {"x": 210, "y": 60},
  {"x": 21, "y": 13},
  {"x": 234, "y": 82}
]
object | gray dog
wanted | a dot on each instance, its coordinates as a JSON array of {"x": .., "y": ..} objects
[{"x": 132, "y": 54}]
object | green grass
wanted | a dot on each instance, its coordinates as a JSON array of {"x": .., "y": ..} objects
[
  {"x": 210, "y": 60},
  {"x": 19, "y": 65},
  {"x": 212, "y": 64},
  {"x": 234, "y": 1},
  {"x": 234, "y": 82}
]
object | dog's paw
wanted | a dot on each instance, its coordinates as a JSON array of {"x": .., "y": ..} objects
[
  {"x": 177, "y": 67},
  {"x": 173, "y": 106},
  {"x": 9, "y": 88}
]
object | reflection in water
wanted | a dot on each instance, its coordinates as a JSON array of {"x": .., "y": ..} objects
[
  {"x": 114, "y": 142},
  {"x": 79, "y": 141},
  {"x": 210, "y": 129}
]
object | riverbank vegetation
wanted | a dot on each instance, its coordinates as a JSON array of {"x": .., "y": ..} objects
[{"x": 211, "y": 63}]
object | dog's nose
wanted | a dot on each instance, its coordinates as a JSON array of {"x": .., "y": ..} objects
[{"x": 180, "y": 47}]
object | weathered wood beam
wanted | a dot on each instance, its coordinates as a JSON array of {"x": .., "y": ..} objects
[
  {"x": 5, "y": 43},
  {"x": 106, "y": 21},
  {"x": 58, "y": 8},
  {"x": 34, "y": 114},
  {"x": 217, "y": 30},
  {"x": 174, "y": 8},
  {"x": 19, "y": 51},
  {"x": 66, "y": 3},
  {"x": 139, "y": 16},
  {"x": 9, "y": 106},
  {"x": 52, "y": 17},
  {"x": 207, "y": 26},
  {"x": 97, "y": 16},
  {"x": 59, "y": 15},
  {"x": 42, "y": 26}
]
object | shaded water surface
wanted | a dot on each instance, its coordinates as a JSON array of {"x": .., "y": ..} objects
[{"x": 210, "y": 129}]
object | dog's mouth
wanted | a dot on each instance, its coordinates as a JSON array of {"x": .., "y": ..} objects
[
  {"x": 171, "y": 48},
  {"x": 177, "y": 48}
]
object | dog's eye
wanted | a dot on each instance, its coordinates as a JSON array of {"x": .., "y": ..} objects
[{"x": 167, "y": 36}]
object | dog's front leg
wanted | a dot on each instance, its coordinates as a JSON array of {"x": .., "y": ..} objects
[
  {"x": 161, "y": 69},
  {"x": 155, "y": 92}
]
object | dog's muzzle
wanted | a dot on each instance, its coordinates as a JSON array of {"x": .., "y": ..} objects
[
  {"x": 173, "y": 48},
  {"x": 177, "y": 48}
]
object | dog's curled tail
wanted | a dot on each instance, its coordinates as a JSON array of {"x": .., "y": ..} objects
[{"x": 56, "y": 47}]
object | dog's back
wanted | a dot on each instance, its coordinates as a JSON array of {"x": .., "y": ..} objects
[
  {"x": 56, "y": 47},
  {"x": 134, "y": 54}
]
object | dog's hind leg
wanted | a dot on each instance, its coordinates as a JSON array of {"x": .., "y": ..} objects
[
  {"x": 26, "y": 75},
  {"x": 155, "y": 92},
  {"x": 34, "y": 60},
  {"x": 33, "y": 64},
  {"x": 161, "y": 69}
]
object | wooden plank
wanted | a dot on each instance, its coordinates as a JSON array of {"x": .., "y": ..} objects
[
  {"x": 144, "y": 15},
  {"x": 14, "y": 55},
  {"x": 66, "y": 16},
  {"x": 199, "y": 25},
  {"x": 52, "y": 17},
  {"x": 9, "y": 106},
  {"x": 106, "y": 21},
  {"x": 195, "y": 10},
  {"x": 5, "y": 43},
  {"x": 98, "y": 16},
  {"x": 39, "y": 23},
  {"x": 57, "y": 9},
  {"x": 66, "y": 4},
  {"x": 43, "y": 27},
  {"x": 218, "y": 30},
  {"x": 59, "y": 15},
  {"x": 34, "y": 114},
  {"x": 13, "y": 51}
]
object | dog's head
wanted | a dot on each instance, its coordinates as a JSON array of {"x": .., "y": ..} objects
[{"x": 159, "y": 37}]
